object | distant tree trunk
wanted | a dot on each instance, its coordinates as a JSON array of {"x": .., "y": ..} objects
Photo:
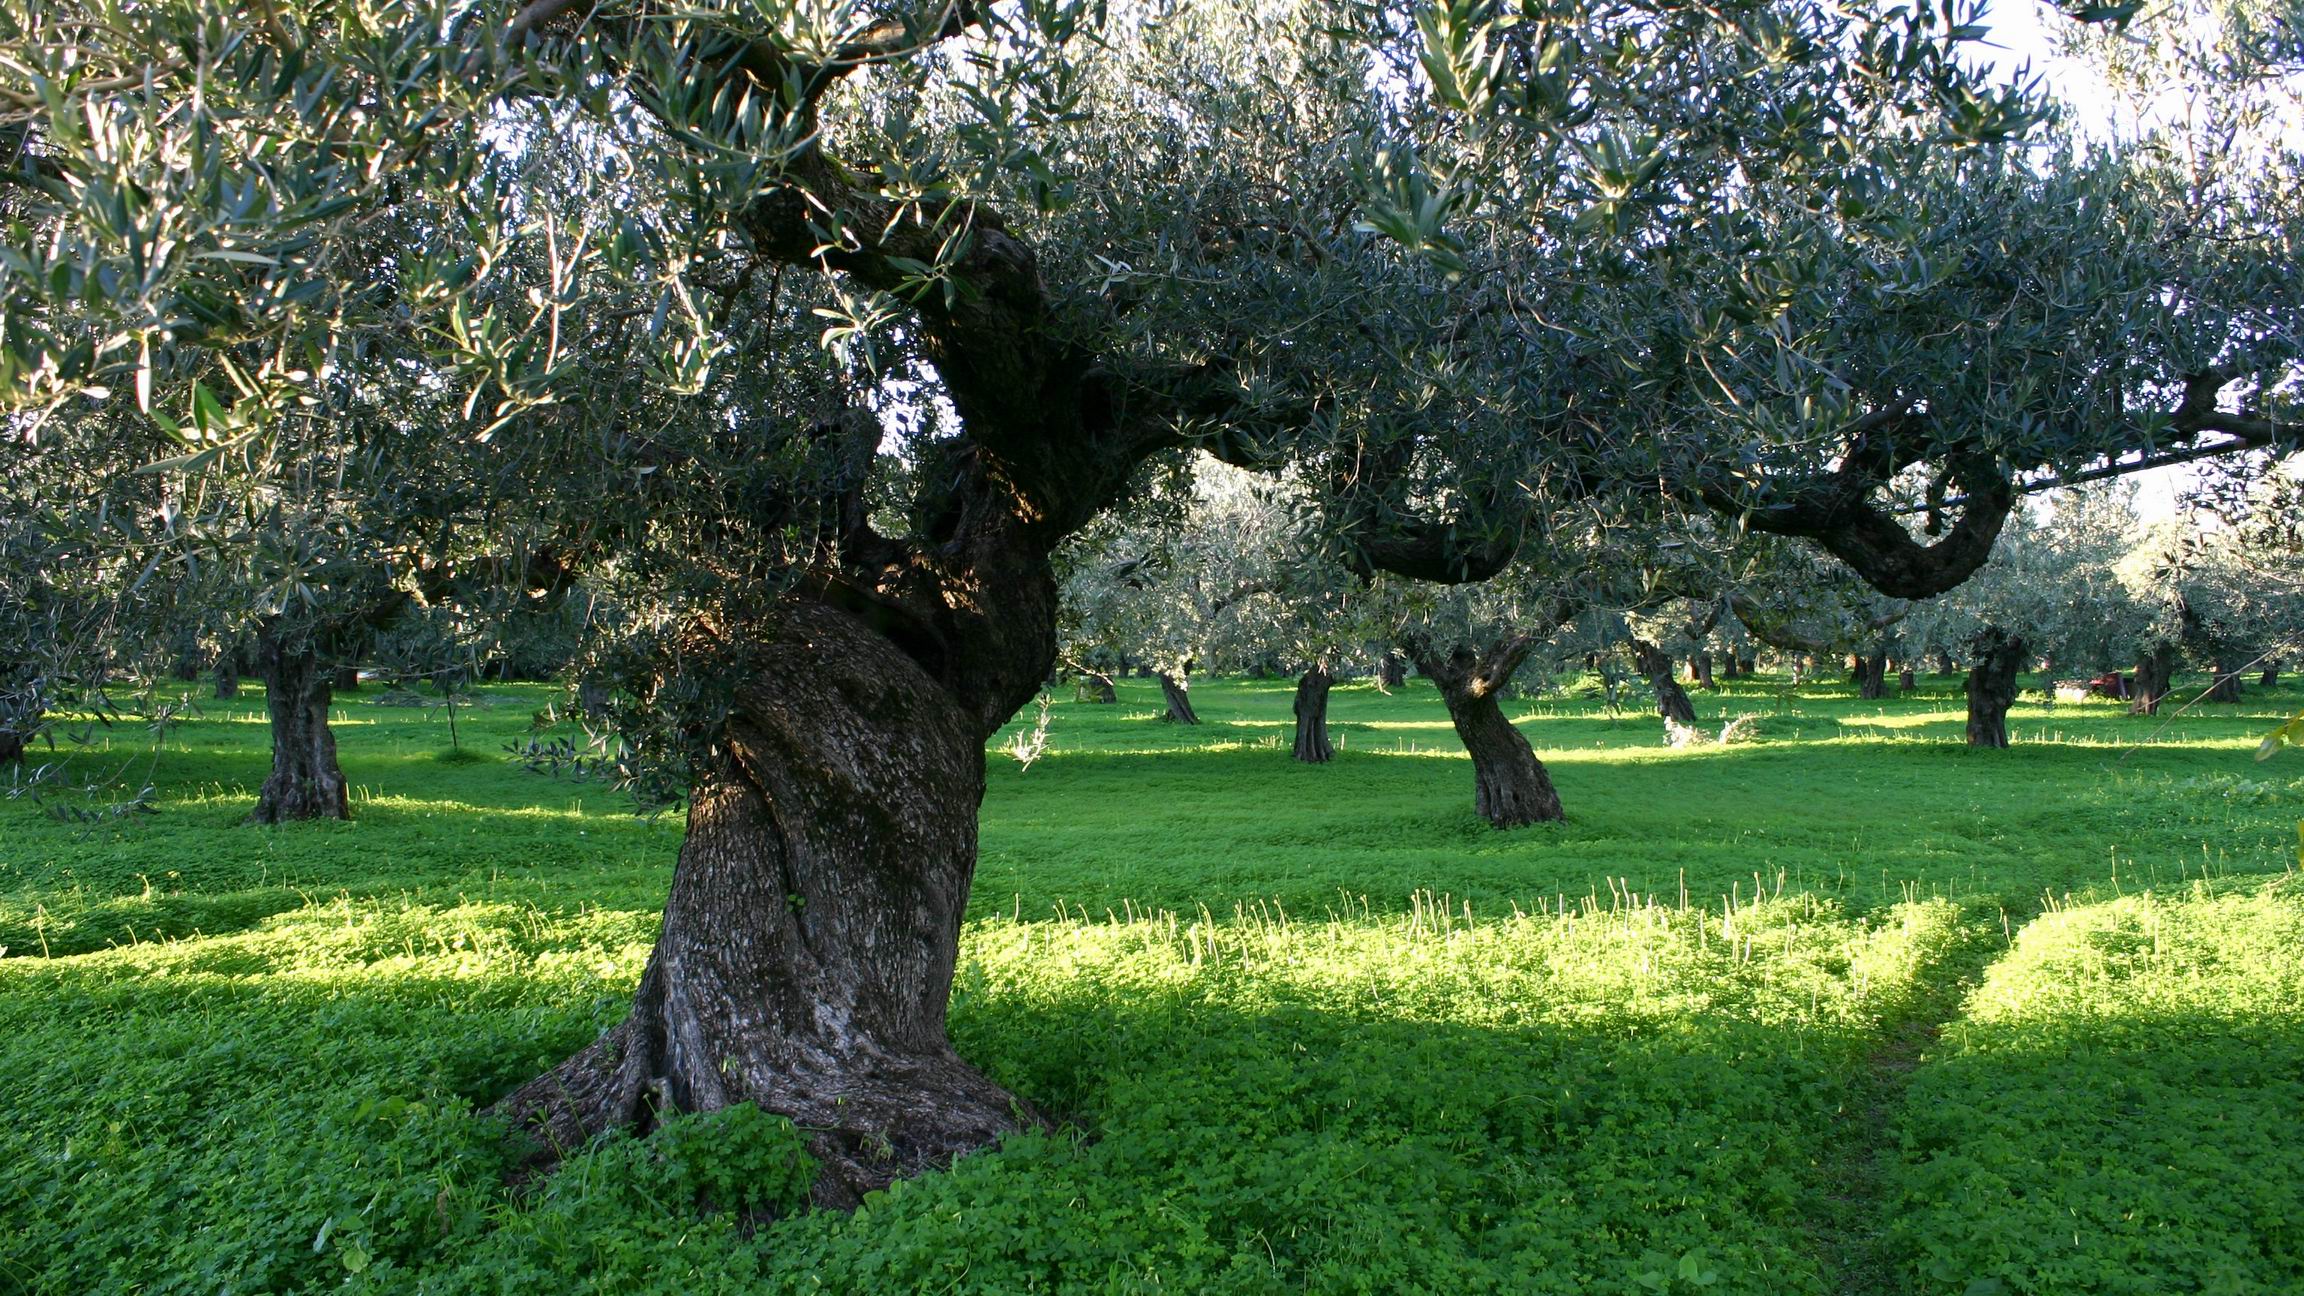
[
  {"x": 592, "y": 697},
  {"x": 1747, "y": 666},
  {"x": 1872, "y": 676},
  {"x": 1671, "y": 700},
  {"x": 1995, "y": 658},
  {"x": 1312, "y": 746},
  {"x": 1944, "y": 666},
  {"x": 812, "y": 929},
  {"x": 2155, "y": 670},
  {"x": 347, "y": 679},
  {"x": 1906, "y": 681},
  {"x": 227, "y": 677},
  {"x": 306, "y": 782},
  {"x": 1700, "y": 670},
  {"x": 2271, "y": 676},
  {"x": 2227, "y": 686},
  {"x": 1096, "y": 686},
  {"x": 1392, "y": 670},
  {"x": 1510, "y": 786},
  {"x": 1179, "y": 697}
]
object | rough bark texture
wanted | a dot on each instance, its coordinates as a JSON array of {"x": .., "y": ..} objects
[
  {"x": 813, "y": 925},
  {"x": 2155, "y": 670},
  {"x": 1700, "y": 671},
  {"x": 306, "y": 782},
  {"x": 1312, "y": 745},
  {"x": 1671, "y": 700},
  {"x": 1994, "y": 660},
  {"x": 1510, "y": 786},
  {"x": 1179, "y": 698}
]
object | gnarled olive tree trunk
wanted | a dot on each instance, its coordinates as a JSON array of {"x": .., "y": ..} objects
[
  {"x": 306, "y": 782},
  {"x": 2271, "y": 676},
  {"x": 813, "y": 925},
  {"x": 1995, "y": 658},
  {"x": 1671, "y": 699},
  {"x": 1179, "y": 698},
  {"x": 2155, "y": 673},
  {"x": 1700, "y": 671},
  {"x": 1511, "y": 788},
  {"x": 2226, "y": 687},
  {"x": 1312, "y": 745},
  {"x": 1392, "y": 669},
  {"x": 1872, "y": 676}
]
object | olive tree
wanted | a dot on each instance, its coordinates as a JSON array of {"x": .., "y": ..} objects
[{"x": 811, "y": 332}]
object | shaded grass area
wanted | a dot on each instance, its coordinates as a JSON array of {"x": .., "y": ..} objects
[{"x": 1306, "y": 1029}]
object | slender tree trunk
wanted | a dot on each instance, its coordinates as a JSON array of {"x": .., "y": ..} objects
[
  {"x": 1312, "y": 746},
  {"x": 813, "y": 925},
  {"x": 306, "y": 782},
  {"x": 1994, "y": 660},
  {"x": 1671, "y": 700},
  {"x": 2155, "y": 670},
  {"x": 1511, "y": 787},
  {"x": 2227, "y": 686},
  {"x": 1179, "y": 697}
]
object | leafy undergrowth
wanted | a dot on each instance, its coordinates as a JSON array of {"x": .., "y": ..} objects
[
  {"x": 1632, "y": 1099},
  {"x": 2118, "y": 1109},
  {"x": 250, "y": 1060}
]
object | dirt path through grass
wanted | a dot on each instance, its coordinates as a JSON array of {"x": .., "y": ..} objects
[{"x": 1852, "y": 1235}]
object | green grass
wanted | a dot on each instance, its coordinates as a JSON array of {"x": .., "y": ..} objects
[{"x": 1305, "y": 1029}]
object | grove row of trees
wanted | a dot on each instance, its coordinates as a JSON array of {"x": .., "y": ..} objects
[{"x": 801, "y": 348}]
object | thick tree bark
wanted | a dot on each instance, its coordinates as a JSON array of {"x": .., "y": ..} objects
[
  {"x": 1671, "y": 700},
  {"x": 1179, "y": 698},
  {"x": 1872, "y": 676},
  {"x": 1312, "y": 745},
  {"x": 306, "y": 782},
  {"x": 813, "y": 925},
  {"x": 1994, "y": 660},
  {"x": 2155, "y": 670},
  {"x": 1700, "y": 671},
  {"x": 1511, "y": 788}
]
